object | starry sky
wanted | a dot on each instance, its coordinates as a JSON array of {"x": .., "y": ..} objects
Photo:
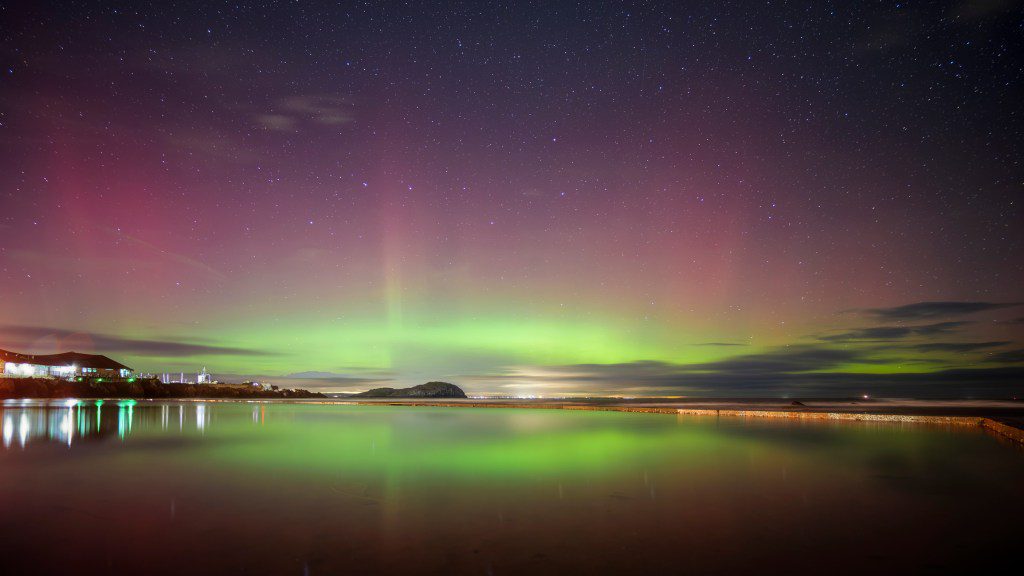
[{"x": 552, "y": 198}]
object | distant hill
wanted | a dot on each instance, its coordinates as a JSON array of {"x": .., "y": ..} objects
[{"x": 428, "y": 390}]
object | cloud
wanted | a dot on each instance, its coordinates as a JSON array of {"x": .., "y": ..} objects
[
  {"x": 720, "y": 344},
  {"x": 782, "y": 363},
  {"x": 956, "y": 346},
  {"x": 278, "y": 122},
  {"x": 660, "y": 378},
  {"x": 786, "y": 360},
  {"x": 890, "y": 333},
  {"x": 804, "y": 371},
  {"x": 1007, "y": 357},
  {"x": 32, "y": 338},
  {"x": 291, "y": 114},
  {"x": 931, "y": 310}
]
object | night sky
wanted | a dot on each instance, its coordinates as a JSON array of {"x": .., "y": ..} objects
[{"x": 706, "y": 198}]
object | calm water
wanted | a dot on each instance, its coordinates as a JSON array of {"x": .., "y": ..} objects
[{"x": 194, "y": 488}]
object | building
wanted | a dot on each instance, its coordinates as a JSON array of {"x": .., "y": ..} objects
[
  {"x": 66, "y": 365},
  {"x": 204, "y": 377}
]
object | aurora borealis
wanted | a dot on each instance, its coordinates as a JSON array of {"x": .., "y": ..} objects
[{"x": 522, "y": 198}]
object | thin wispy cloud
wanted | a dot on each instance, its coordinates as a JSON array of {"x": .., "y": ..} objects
[
  {"x": 31, "y": 338},
  {"x": 297, "y": 112},
  {"x": 891, "y": 333},
  {"x": 957, "y": 347},
  {"x": 766, "y": 379},
  {"x": 1007, "y": 357},
  {"x": 933, "y": 310}
]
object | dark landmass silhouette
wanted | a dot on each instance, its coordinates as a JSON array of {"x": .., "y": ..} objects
[
  {"x": 139, "y": 388},
  {"x": 428, "y": 390}
]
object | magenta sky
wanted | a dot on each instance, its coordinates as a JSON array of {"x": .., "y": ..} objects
[{"x": 553, "y": 198}]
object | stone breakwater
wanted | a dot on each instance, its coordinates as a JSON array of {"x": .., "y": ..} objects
[
  {"x": 989, "y": 425},
  {"x": 856, "y": 416},
  {"x": 1004, "y": 430}
]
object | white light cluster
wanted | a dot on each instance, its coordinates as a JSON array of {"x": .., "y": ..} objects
[{"x": 19, "y": 369}]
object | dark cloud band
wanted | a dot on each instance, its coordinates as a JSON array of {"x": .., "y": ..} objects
[
  {"x": 25, "y": 338},
  {"x": 891, "y": 333},
  {"x": 931, "y": 310}
]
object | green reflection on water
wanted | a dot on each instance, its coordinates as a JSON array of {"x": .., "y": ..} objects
[
  {"x": 491, "y": 442},
  {"x": 273, "y": 487},
  {"x": 324, "y": 441}
]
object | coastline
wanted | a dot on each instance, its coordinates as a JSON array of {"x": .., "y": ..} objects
[
  {"x": 138, "y": 388},
  {"x": 1003, "y": 419}
]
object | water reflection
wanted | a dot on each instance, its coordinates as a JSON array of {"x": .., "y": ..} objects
[
  {"x": 301, "y": 488},
  {"x": 201, "y": 417},
  {"x": 24, "y": 422}
]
